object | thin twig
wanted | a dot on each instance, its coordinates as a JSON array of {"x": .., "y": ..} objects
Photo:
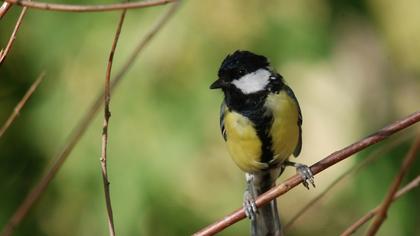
[
  {"x": 4, "y": 52},
  {"x": 368, "y": 159},
  {"x": 369, "y": 215},
  {"x": 80, "y": 129},
  {"x": 88, "y": 8},
  {"x": 382, "y": 213},
  {"x": 4, "y": 8},
  {"x": 107, "y": 115},
  {"x": 22, "y": 103},
  {"x": 316, "y": 168}
]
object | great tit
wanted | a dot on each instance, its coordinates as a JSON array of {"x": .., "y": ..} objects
[{"x": 261, "y": 122}]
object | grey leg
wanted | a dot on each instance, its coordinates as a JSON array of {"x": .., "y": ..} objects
[{"x": 249, "y": 198}]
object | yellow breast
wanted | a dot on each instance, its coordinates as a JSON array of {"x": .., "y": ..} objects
[
  {"x": 243, "y": 143},
  {"x": 285, "y": 130}
]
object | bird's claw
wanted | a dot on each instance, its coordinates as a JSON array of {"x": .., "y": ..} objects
[
  {"x": 306, "y": 174},
  {"x": 249, "y": 205}
]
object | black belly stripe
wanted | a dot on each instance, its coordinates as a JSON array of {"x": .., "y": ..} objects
[
  {"x": 263, "y": 132},
  {"x": 263, "y": 122}
]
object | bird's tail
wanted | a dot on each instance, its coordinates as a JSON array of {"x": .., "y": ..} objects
[{"x": 267, "y": 221}]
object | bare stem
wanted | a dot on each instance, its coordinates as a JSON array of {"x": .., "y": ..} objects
[
  {"x": 4, "y": 52},
  {"x": 107, "y": 115},
  {"x": 4, "y": 8},
  {"x": 367, "y": 160},
  {"x": 81, "y": 127},
  {"x": 22, "y": 103},
  {"x": 316, "y": 168},
  {"x": 88, "y": 8},
  {"x": 382, "y": 213},
  {"x": 369, "y": 215}
]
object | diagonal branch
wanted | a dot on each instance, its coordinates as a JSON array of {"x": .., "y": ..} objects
[
  {"x": 316, "y": 168},
  {"x": 107, "y": 115},
  {"x": 381, "y": 215},
  {"x": 4, "y": 52},
  {"x": 81, "y": 127},
  {"x": 367, "y": 160},
  {"x": 88, "y": 8},
  {"x": 22, "y": 103},
  {"x": 4, "y": 8},
  {"x": 353, "y": 228}
]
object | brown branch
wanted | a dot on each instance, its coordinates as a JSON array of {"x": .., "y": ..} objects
[
  {"x": 353, "y": 228},
  {"x": 81, "y": 127},
  {"x": 367, "y": 160},
  {"x": 4, "y": 52},
  {"x": 107, "y": 115},
  {"x": 382, "y": 213},
  {"x": 316, "y": 168},
  {"x": 22, "y": 103},
  {"x": 4, "y": 8},
  {"x": 88, "y": 8}
]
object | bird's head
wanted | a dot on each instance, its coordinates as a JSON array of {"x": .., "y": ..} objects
[{"x": 246, "y": 73}]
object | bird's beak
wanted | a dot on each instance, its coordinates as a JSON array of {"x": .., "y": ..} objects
[{"x": 218, "y": 84}]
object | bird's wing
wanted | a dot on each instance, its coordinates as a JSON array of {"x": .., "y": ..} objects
[
  {"x": 298, "y": 147},
  {"x": 223, "y": 109}
]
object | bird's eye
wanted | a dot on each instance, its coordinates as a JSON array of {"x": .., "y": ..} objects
[{"x": 241, "y": 72}]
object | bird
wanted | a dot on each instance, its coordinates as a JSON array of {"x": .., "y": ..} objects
[{"x": 261, "y": 123}]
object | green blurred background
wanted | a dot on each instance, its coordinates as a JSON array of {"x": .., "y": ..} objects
[{"x": 354, "y": 66}]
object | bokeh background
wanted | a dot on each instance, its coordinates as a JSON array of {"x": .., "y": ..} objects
[{"x": 354, "y": 66}]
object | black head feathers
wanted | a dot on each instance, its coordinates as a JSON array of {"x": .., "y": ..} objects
[{"x": 241, "y": 63}]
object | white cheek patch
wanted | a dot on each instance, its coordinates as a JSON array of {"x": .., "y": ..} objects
[{"x": 253, "y": 82}]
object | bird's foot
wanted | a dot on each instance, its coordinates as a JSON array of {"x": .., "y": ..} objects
[
  {"x": 249, "y": 205},
  {"x": 304, "y": 171},
  {"x": 306, "y": 174}
]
